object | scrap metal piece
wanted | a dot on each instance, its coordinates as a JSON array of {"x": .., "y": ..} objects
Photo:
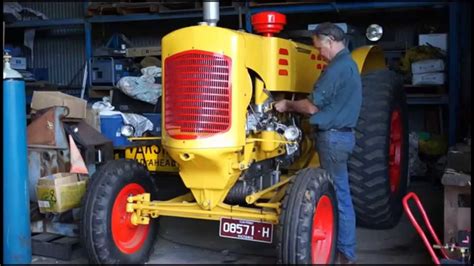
[
  {"x": 46, "y": 130},
  {"x": 95, "y": 148}
]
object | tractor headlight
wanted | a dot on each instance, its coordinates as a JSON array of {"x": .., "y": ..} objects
[
  {"x": 374, "y": 32},
  {"x": 127, "y": 130}
]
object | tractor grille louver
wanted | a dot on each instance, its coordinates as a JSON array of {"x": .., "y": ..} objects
[{"x": 197, "y": 94}]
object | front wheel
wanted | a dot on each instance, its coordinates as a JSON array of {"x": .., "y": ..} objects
[
  {"x": 106, "y": 231},
  {"x": 307, "y": 232}
]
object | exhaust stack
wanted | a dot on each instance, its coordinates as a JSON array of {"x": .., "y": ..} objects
[{"x": 211, "y": 12}]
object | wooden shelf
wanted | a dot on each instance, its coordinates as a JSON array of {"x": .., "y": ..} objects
[{"x": 427, "y": 99}]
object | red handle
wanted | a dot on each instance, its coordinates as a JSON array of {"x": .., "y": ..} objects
[{"x": 419, "y": 229}]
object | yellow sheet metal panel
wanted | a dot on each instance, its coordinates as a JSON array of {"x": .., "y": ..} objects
[
  {"x": 208, "y": 173},
  {"x": 282, "y": 64},
  {"x": 270, "y": 146},
  {"x": 259, "y": 94}
]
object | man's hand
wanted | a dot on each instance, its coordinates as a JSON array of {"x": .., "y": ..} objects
[{"x": 281, "y": 106}]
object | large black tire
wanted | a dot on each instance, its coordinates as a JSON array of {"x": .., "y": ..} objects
[
  {"x": 376, "y": 205},
  {"x": 311, "y": 189},
  {"x": 96, "y": 215}
]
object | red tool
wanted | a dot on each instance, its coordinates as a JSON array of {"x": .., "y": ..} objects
[{"x": 420, "y": 230}]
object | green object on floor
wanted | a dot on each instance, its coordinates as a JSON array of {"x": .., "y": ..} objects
[{"x": 435, "y": 146}]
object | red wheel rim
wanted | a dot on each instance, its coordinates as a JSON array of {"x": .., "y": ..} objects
[
  {"x": 127, "y": 237},
  {"x": 322, "y": 231},
  {"x": 395, "y": 149}
]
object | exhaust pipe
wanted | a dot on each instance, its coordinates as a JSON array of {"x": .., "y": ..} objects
[{"x": 211, "y": 12}]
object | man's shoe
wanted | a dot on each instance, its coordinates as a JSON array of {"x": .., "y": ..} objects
[{"x": 342, "y": 259}]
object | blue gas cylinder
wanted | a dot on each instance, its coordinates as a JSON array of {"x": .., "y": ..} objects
[{"x": 16, "y": 200}]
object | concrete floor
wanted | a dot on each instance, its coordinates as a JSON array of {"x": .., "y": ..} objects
[{"x": 183, "y": 241}]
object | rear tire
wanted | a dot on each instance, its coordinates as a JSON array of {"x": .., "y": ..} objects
[
  {"x": 307, "y": 232},
  {"x": 105, "y": 233},
  {"x": 378, "y": 182}
]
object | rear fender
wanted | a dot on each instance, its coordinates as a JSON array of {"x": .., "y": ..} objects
[{"x": 369, "y": 58}]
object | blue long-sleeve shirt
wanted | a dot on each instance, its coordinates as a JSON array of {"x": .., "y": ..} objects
[{"x": 338, "y": 94}]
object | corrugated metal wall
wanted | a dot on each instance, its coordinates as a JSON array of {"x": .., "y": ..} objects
[
  {"x": 148, "y": 33},
  {"x": 61, "y": 50},
  {"x": 63, "y": 55},
  {"x": 143, "y": 41},
  {"x": 57, "y": 10}
]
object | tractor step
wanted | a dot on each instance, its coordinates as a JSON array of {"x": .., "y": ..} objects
[{"x": 53, "y": 245}]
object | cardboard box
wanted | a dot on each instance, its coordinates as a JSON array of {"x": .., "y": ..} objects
[
  {"x": 18, "y": 63},
  {"x": 143, "y": 51},
  {"x": 93, "y": 118},
  {"x": 439, "y": 40},
  {"x": 44, "y": 99},
  {"x": 436, "y": 78},
  {"x": 427, "y": 66},
  {"x": 60, "y": 192}
]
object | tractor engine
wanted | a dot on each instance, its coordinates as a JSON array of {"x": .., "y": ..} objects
[
  {"x": 266, "y": 173},
  {"x": 258, "y": 120}
]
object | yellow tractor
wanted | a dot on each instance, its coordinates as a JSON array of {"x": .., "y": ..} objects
[{"x": 251, "y": 168}]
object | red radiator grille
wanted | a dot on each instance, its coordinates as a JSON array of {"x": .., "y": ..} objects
[{"x": 197, "y": 94}]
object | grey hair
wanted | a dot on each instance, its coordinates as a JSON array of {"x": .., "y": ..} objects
[{"x": 330, "y": 30}]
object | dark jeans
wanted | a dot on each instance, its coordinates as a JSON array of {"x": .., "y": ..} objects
[{"x": 334, "y": 149}]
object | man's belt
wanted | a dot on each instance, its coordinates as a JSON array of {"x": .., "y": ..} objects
[{"x": 343, "y": 129}]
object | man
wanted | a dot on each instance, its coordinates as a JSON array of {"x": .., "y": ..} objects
[{"x": 334, "y": 109}]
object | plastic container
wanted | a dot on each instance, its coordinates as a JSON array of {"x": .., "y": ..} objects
[
  {"x": 110, "y": 127},
  {"x": 155, "y": 118}
]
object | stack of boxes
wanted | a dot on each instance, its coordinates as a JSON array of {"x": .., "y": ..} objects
[{"x": 430, "y": 71}]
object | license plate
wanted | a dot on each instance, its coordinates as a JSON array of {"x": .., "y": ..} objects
[{"x": 246, "y": 230}]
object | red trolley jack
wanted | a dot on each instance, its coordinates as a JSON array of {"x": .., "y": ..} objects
[{"x": 464, "y": 250}]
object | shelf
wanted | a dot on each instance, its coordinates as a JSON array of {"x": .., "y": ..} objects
[
  {"x": 224, "y": 11},
  {"x": 427, "y": 99},
  {"x": 46, "y": 23},
  {"x": 195, "y": 13},
  {"x": 423, "y": 86},
  {"x": 325, "y": 7},
  {"x": 192, "y": 13}
]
